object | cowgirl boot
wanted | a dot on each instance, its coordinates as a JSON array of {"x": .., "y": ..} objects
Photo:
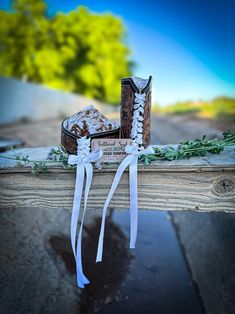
[{"x": 136, "y": 110}]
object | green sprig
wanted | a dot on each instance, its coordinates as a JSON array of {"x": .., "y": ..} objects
[
  {"x": 56, "y": 155},
  {"x": 186, "y": 149},
  {"x": 189, "y": 148}
]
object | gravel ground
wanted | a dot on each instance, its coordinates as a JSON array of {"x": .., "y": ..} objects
[
  {"x": 208, "y": 242},
  {"x": 33, "y": 279}
]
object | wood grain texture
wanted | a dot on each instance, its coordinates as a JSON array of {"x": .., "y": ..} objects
[{"x": 201, "y": 184}]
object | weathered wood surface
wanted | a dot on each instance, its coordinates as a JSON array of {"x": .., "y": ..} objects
[{"x": 201, "y": 184}]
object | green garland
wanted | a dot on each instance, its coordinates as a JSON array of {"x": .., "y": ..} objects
[{"x": 187, "y": 149}]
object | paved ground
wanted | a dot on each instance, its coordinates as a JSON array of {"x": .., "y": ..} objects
[{"x": 207, "y": 240}]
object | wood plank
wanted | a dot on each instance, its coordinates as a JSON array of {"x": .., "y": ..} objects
[{"x": 201, "y": 184}]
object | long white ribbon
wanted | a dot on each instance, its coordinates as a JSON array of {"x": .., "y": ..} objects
[
  {"x": 84, "y": 166},
  {"x": 132, "y": 161}
]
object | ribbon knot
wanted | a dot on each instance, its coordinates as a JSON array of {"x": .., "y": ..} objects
[
  {"x": 130, "y": 160},
  {"x": 94, "y": 156},
  {"x": 134, "y": 150},
  {"x": 83, "y": 161}
]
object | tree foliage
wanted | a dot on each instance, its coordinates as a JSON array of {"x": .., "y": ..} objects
[
  {"x": 217, "y": 108},
  {"x": 81, "y": 51}
]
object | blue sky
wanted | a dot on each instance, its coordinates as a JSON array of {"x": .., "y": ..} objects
[{"x": 187, "y": 46}]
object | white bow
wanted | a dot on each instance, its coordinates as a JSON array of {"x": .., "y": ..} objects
[
  {"x": 94, "y": 156},
  {"x": 131, "y": 149},
  {"x": 83, "y": 166},
  {"x": 132, "y": 161}
]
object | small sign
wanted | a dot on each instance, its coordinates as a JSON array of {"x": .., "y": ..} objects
[{"x": 113, "y": 149}]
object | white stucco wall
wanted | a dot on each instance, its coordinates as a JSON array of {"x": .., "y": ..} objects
[{"x": 20, "y": 99}]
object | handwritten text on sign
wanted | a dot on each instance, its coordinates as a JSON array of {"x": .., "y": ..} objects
[{"x": 113, "y": 149}]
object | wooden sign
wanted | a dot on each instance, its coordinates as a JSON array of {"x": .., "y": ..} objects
[{"x": 113, "y": 149}]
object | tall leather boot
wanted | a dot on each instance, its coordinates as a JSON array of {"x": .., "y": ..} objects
[{"x": 136, "y": 110}]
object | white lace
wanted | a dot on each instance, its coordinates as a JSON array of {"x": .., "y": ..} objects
[
  {"x": 83, "y": 146},
  {"x": 137, "y": 120}
]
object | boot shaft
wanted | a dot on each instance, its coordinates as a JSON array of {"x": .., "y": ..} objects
[{"x": 136, "y": 109}]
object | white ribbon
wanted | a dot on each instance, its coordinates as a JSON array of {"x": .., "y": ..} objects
[
  {"x": 132, "y": 161},
  {"x": 84, "y": 166}
]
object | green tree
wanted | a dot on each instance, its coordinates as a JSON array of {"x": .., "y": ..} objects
[{"x": 82, "y": 52}]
